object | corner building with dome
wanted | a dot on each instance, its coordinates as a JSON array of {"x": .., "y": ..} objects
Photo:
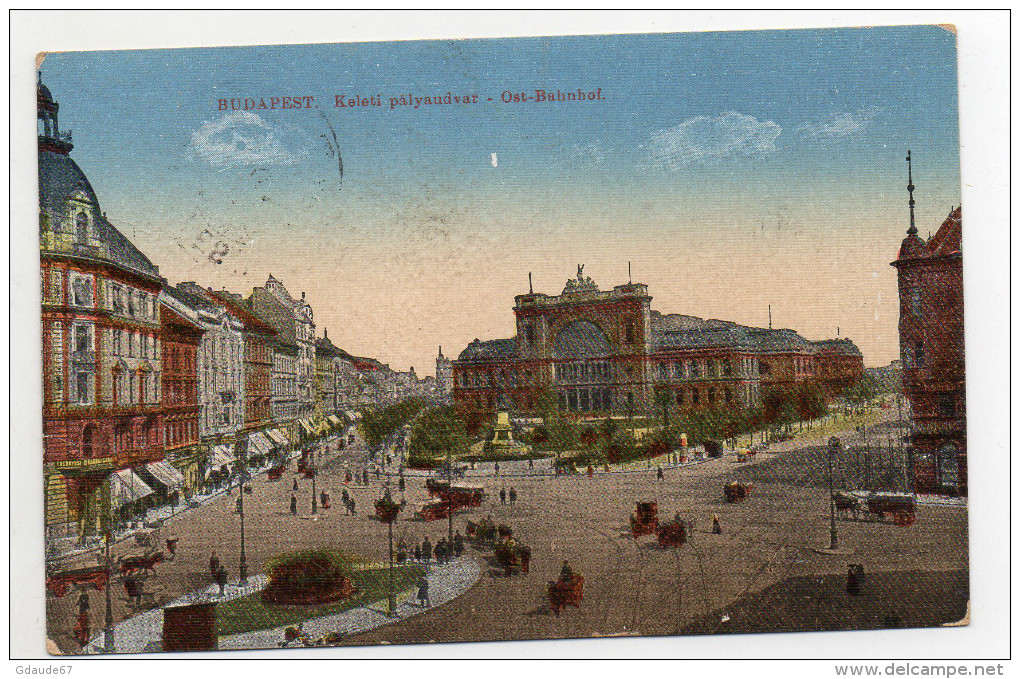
[
  {"x": 604, "y": 352},
  {"x": 102, "y": 362}
]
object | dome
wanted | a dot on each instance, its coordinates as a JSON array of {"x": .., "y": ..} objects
[
  {"x": 60, "y": 178},
  {"x": 912, "y": 247}
]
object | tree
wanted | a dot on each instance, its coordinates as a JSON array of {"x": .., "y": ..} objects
[
  {"x": 438, "y": 432},
  {"x": 861, "y": 391},
  {"x": 663, "y": 398}
]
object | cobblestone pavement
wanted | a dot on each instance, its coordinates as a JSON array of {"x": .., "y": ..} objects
[{"x": 631, "y": 587}]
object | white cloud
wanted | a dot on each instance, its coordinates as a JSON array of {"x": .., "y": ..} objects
[
  {"x": 706, "y": 139},
  {"x": 840, "y": 125},
  {"x": 239, "y": 138}
]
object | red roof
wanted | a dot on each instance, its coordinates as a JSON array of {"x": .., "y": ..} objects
[{"x": 949, "y": 238}]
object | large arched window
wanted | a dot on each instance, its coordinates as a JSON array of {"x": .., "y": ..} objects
[{"x": 581, "y": 339}]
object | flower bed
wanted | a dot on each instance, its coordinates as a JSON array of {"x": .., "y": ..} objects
[{"x": 308, "y": 578}]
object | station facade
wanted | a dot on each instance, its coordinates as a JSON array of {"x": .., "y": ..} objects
[{"x": 608, "y": 352}]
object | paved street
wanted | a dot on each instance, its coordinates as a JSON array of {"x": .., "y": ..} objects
[{"x": 630, "y": 587}]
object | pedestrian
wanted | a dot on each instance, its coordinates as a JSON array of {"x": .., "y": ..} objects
[
  {"x": 566, "y": 572},
  {"x": 293, "y": 505},
  {"x": 853, "y": 579},
  {"x": 531, "y": 463},
  {"x": 458, "y": 544},
  {"x": 400, "y": 484},
  {"x": 82, "y": 625},
  {"x": 214, "y": 565},
  {"x": 423, "y": 593},
  {"x": 658, "y": 474},
  {"x": 502, "y": 496},
  {"x": 417, "y": 552},
  {"x": 171, "y": 546},
  {"x": 426, "y": 551},
  {"x": 322, "y": 499},
  {"x": 221, "y": 580},
  {"x": 295, "y": 483},
  {"x": 513, "y": 496},
  {"x": 496, "y": 468},
  {"x": 353, "y": 510},
  {"x": 716, "y": 526}
]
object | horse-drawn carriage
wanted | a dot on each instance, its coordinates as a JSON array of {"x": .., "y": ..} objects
[
  {"x": 140, "y": 563},
  {"x": 96, "y": 577},
  {"x": 488, "y": 532},
  {"x": 737, "y": 491},
  {"x": 645, "y": 520},
  {"x": 514, "y": 558},
  {"x": 460, "y": 495},
  {"x": 563, "y": 593},
  {"x": 432, "y": 510},
  {"x": 899, "y": 507},
  {"x": 276, "y": 473}
]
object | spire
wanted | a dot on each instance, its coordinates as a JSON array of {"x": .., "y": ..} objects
[
  {"x": 629, "y": 278},
  {"x": 770, "y": 316},
  {"x": 531, "y": 290},
  {"x": 912, "y": 231}
]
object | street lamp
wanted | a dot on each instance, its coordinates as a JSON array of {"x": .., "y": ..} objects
[
  {"x": 241, "y": 448},
  {"x": 833, "y": 539},
  {"x": 314, "y": 472},
  {"x": 108, "y": 641}
]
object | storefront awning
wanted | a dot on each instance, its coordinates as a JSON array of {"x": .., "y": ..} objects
[
  {"x": 277, "y": 437},
  {"x": 335, "y": 421},
  {"x": 128, "y": 487},
  {"x": 222, "y": 456},
  {"x": 352, "y": 416},
  {"x": 258, "y": 444},
  {"x": 307, "y": 426},
  {"x": 165, "y": 474}
]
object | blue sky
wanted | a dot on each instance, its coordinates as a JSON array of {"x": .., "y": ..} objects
[{"x": 735, "y": 169}]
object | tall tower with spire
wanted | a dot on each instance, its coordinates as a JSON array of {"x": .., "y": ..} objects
[{"x": 444, "y": 376}]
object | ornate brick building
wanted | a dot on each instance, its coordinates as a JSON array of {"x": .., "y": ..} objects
[
  {"x": 930, "y": 275},
  {"x": 607, "y": 351},
  {"x": 182, "y": 336},
  {"x": 102, "y": 360}
]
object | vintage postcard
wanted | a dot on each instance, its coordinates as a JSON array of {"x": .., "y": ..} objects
[{"x": 503, "y": 339}]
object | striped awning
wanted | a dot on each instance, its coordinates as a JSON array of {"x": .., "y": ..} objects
[
  {"x": 308, "y": 427},
  {"x": 165, "y": 474},
  {"x": 128, "y": 487},
  {"x": 223, "y": 455},
  {"x": 277, "y": 437},
  {"x": 335, "y": 421},
  {"x": 259, "y": 444}
]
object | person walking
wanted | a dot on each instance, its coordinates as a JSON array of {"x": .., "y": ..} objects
[
  {"x": 295, "y": 484},
  {"x": 400, "y": 484},
  {"x": 82, "y": 625},
  {"x": 658, "y": 474},
  {"x": 221, "y": 579},
  {"x": 496, "y": 468},
  {"x": 513, "y": 496},
  {"x": 426, "y": 551},
  {"x": 458, "y": 544},
  {"x": 502, "y": 496},
  {"x": 214, "y": 565},
  {"x": 345, "y": 497},
  {"x": 423, "y": 593},
  {"x": 354, "y": 512},
  {"x": 716, "y": 526},
  {"x": 417, "y": 552},
  {"x": 293, "y": 505},
  {"x": 531, "y": 463}
]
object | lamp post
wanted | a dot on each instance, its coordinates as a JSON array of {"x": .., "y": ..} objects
[
  {"x": 241, "y": 448},
  {"x": 833, "y": 538},
  {"x": 108, "y": 641}
]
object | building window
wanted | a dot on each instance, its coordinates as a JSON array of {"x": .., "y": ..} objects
[
  {"x": 695, "y": 369},
  {"x": 82, "y": 338},
  {"x": 81, "y": 289},
  {"x": 728, "y": 395},
  {"x": 764, "y": 368},
  {"x": 919, "y": 354},
  {"x": 81, "y": 228},
  {"x": 680, "y": 397},
  {"x": 947, "y": 405},
  {"x": 630, "y": 333},
  {"x": 84, "y": 392},
  {"x": 529, "y": 333},
  {"x": 711, "y": 395},
  {"x": 695, "y": 396},
  {"x": 727, "y": 367}
]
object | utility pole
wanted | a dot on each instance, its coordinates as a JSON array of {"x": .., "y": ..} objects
[{"x": 833, "y": 538}]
